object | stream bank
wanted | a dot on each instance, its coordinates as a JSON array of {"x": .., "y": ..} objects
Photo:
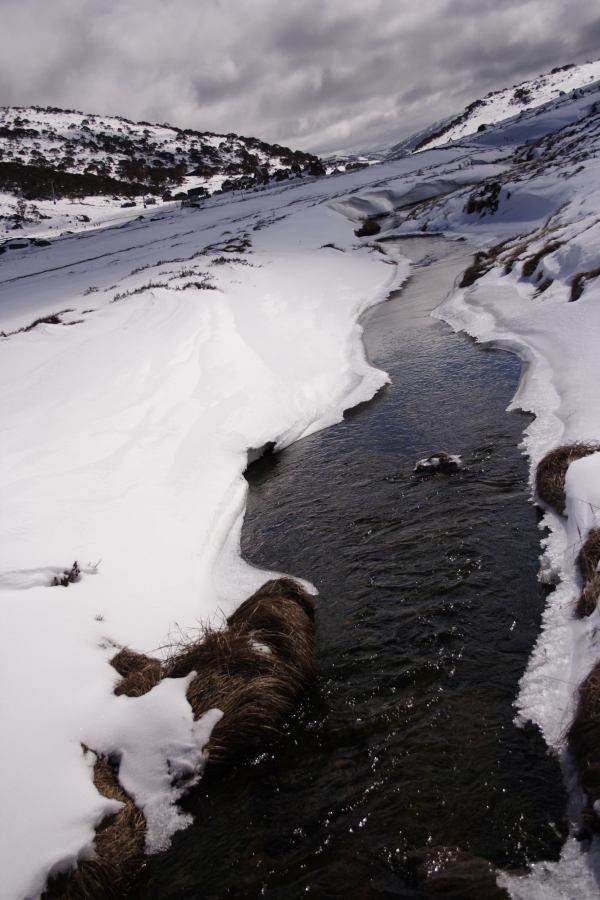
[{"x": 428, "y": 608}]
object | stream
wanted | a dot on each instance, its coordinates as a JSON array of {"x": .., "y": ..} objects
[{"x": 427, "y": 611}]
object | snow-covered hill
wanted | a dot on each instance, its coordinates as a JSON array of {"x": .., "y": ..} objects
[
  {"x": 498, "y": 106},
  {"x": 62, "y": 168},
  {"x": 140, "y": 362}
]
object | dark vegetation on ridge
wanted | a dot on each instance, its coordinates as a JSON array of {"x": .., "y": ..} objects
[{"x": 46, "y": 153}]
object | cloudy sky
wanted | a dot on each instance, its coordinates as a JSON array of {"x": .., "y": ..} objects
[{"x": 320, "y": 75}]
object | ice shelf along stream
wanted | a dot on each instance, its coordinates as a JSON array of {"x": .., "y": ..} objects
[{"x": 427, "y": 611}]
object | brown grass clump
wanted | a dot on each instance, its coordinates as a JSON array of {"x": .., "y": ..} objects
[
  {"x": 119, "y": 846},
  {"x": 584, "y": 743},
  {"x": 588, "y": 599},
  {"x": 531, "y": 263},
  {"x": 578, "y": 283},
  {"x": 139, "y": 673},
  {"x": 552, "y": 470},
  {"x": 589, "y": 555},
  {"x": 254, "y": 670}
]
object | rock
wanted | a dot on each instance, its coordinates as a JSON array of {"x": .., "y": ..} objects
[{"x": 438, "y": 462}]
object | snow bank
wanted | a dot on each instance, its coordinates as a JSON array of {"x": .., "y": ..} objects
[
  {"x": 539, "y": 295},
  {"x": 124, "y": 440}
]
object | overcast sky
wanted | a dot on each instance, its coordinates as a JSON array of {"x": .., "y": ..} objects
[{"x": 319, "y": 75}]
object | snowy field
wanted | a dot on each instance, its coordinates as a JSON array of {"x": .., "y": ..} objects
[{"x": 177, "y": 341}]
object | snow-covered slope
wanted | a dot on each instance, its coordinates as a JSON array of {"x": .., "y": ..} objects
[
  {"x": 89, "y": 166},
  {"x": 140, "y": 362},
  {"x": 497, "y": 106}
]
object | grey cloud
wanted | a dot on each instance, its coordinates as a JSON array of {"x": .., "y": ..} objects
[{"x": 319, "y": 74}]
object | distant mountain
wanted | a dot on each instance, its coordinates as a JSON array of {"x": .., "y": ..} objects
[
  {"x": 498, "y": 106},
  {"x": 62, "y": 168},
  {"x": 53, "y": 152}
]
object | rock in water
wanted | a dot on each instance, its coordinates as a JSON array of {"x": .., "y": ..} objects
[{"x": 439, "y": 462}]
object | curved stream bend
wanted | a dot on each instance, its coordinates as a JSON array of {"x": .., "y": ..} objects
[{"x": 427, "y": 611}]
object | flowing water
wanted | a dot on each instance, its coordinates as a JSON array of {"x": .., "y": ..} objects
[{"x": 428, "y": 608}]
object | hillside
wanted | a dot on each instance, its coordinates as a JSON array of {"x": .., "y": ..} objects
[
  {"x": 62, "y": 168},
  {"x": 497, "y": 106}
]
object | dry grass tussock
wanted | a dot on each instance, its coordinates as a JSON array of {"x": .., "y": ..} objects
[
  {"x": 119, "y": 846},
  {"x": 254, "y": 670},
  {"x": 552, "y": 470},
  {"x": 588, "y": 598},
  {"x": 589, "y": 555},
  {"x": 584, "y": 744},
  {"x": 530, "y": 265},
  {"x": 579, "y": 281},
  {"x": 139, "y": 673}
]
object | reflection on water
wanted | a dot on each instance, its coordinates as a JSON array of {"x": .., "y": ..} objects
[{"x": 428, "y": 608}]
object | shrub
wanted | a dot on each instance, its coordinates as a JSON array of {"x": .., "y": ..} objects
[
  {"x": 485, "y": 200},
  {"x": 368, "y": 228}
]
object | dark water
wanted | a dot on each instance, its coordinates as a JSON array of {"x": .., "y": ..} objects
[{"x": 427, "y": 611}]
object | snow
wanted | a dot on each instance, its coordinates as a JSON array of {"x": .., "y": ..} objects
[
  {"x": 187, "y": 337},
  {"x": 124, "y": 440},
  {"x": 73, "y": 142},
  {"x": 498, "y": 106}
]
